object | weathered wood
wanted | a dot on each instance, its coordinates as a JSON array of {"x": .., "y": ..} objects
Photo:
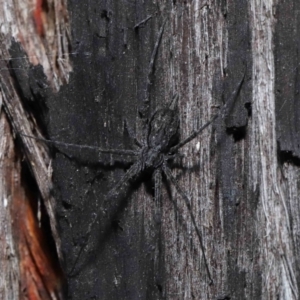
[
  {"x": 240, "y": 174},
  {"x": 276, "y": 221},
  {"x": 27, "y": 246},
  {"x": 9, "y": 167}
]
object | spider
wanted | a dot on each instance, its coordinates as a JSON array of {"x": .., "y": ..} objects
[
  {"x": 158, "y": 147},
  {"x": 154, "y": 153}
]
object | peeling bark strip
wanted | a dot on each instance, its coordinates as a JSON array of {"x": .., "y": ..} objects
[
  {"x": 9, "y": 167},
  {"x": 37, "y": 156},
  {"x": 28, "y": 270}
]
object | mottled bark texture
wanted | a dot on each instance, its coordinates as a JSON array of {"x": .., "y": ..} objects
[
  {"x": 241, "y": 174},
  {"x": 30, "y": 244}
]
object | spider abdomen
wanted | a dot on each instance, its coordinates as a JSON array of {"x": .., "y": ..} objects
[
  {"x": 163, "y": 130},
  {"x": 162, "y": 135}
]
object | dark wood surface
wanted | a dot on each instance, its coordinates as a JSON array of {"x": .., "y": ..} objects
[{"x": 240, "y": 174}]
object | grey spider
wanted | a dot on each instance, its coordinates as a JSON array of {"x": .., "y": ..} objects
[
  {"x": 154, "y": 153},
  {"x": 158, "y": 147}
]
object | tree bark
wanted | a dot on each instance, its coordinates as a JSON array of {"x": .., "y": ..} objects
[
  {"x": 29, "y": 253},
  {"x": 240, "y": 173}
]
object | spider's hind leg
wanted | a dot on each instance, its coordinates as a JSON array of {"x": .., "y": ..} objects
[
  {"x": 159, "y": 249},
  {"x": 172, "y": 179},
  {"x": 133, "y": 172},
  {"x": 157, "y": 180}
]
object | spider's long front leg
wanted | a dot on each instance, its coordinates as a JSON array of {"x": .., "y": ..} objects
[
  {"x": 193, "y": 135},
  {"x": 170, "y": 177},
  {"x": 228, "y": 104},
  {"x": 152, "y": 61},
  {"x": 144, "y": 109},
  {"x": 107, "y": 151}
]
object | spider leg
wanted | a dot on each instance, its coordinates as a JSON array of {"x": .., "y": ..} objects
[
  {"x": 133, "y": 171},
  {"x": 170, "y": 177},
  {"x": 158, "y": 257},
  {"x": 157, "y": 178},
  {"x": 132, "y": 135},
  {"x": 221, "y": 112},
  {"x": 193, "y": 135},
  {"x": 141, "y": 23},
  {"x": 144, "y": 109},
  {"x": 108, "y": 151},
  {"x": 174, "y": 156},
  {"x": 152, "y": 60}
]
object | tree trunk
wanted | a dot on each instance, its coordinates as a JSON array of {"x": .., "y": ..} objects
[{"x": 240, "y": 174}]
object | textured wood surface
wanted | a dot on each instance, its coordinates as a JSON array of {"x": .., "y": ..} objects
[
  {"x": 241, "y": 174},
  {"x": 29, "y": 256}
]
